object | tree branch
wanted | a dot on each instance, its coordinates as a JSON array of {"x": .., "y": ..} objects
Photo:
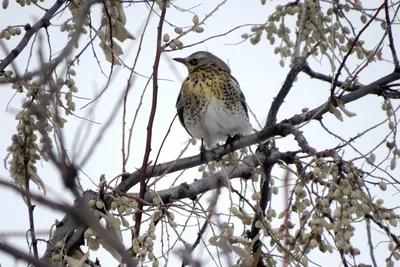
[
  {"x": 30, "y": 31},
  {"x": 329, "y": 79},
  {"x": 298, "y": 65},
  {"x": 18, "y": 254},
  {"x": 343, "y": 63},
  {"x": 376, "y": 87},
  {"x": 391, "y": 39},
  {"x": 146, "y": 156}
]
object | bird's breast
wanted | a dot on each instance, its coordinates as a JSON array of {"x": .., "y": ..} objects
[{"x": 198, "y": 89}]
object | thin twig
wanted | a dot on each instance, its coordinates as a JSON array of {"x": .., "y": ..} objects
[
  {"x": 343, "y": 63},
  {"x": 389, "y": 30},
  {"x": 18, "y": 254},
  {"x": 28, "y": 200},
  {"x": 125, "y": 155},
  {"x": 370, "y": 245},
  {"x": 210, "y": 209},
  {"x": 161, "y": 146},
  {"x": 146, "y": 156}
]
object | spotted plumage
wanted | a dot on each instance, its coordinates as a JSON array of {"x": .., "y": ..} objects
[{"x": 211, "y": 105}]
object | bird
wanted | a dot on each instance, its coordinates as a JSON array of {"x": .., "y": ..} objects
[{"x": 210, "y": 104}]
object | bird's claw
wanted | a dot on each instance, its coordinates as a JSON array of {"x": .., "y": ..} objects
[
  {"x": 205, "y": 155},
  {"x": 203, "y": 152},
  {"x": 230, "y": 140}
]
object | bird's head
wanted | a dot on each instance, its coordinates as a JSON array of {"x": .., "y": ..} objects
[{"x": 200, "y": 59}]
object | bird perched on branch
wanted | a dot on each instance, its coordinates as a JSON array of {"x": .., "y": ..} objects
[{"x": 210, "y": 105}]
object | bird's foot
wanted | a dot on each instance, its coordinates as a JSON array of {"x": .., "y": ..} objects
[
  {"x": 230, "y": 140},
  {"x": 206, "y": 155},
  {"x": 203, "y": 152}
]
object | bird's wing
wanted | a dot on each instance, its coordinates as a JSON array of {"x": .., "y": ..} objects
[
  {"x": 236, "y": 86},
  {"x": 179, "y": 108}
]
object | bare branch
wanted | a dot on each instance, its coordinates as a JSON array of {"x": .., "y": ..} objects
[
  {"x": 44, "y": 22},
  {"x": 143, "y": 181},
  {"x": 18, "y": 254},
  {"x": 343, "y": 63},
  {"x": 391, "y": 39},
  {"x": 298, "y": 65}
]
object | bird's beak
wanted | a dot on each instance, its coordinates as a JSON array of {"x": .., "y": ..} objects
[{"x": 180, "y": 60}]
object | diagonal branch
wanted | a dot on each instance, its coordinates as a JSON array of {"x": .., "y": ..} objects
[
  {"x": 391, "y": 39},
  {"x": 343, "y": 63},
  {"x": 216, "y": 180},
  {"x": 298, "y": 65},
  {"x": 327, "y": 78},
  {"x": 210, "y": 155},
  {"x": 377, "y": 87},
  {"x": 18, "y": 254},
  {"x": 44, "y": 22}
]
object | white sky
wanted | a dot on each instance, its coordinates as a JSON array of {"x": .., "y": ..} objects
[{"x": 255, "y": 67}]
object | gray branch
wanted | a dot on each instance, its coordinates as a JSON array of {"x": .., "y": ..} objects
[{"x": 30, "y": 31}]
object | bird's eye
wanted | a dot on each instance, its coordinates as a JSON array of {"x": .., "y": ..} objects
[{"x": 194, "y": 61}]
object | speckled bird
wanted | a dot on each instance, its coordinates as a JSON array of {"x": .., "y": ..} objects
[{"x": 210, "y": 105}]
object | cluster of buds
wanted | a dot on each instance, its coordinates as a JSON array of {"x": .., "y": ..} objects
[
  {"x": 24, "y": 150},
  {"x": 318, "y": 26},
  {"x": 125, "y": 207},
  {"x": 36, "y": 115},
  {"x": 175, "y": 44},
  {"x": 72, "y": 89},
  {"x": 392, "y": 146},
  {"x": 100, "y": 211},
  {"x": 197, "y": 28},
  {"x": 113, "y": 28},
  {"x": 143, "y": 245},
  {"x": 10, "y": 31},
  {"x": 27, "y": 2},
  {"x": 75, "y": 8},
  {"x": 5, "y": 76},
  {"x": 229, "y": 243}
]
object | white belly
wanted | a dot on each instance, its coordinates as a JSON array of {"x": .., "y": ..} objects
[{"x": 216, "y": 123}]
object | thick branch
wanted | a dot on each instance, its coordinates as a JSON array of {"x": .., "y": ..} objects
[
  {"x": 242, "y": 170},
  {"x": 63, "y": 230},
  {"x": 376, "y": 87},
  {"x": 216, "y": 154}
]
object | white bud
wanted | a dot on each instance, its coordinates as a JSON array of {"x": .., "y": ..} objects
[
  {"x": 178, "y": 30},
  {"x": 195, "y": 19},
  {"x": 166, "y": 38}
]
